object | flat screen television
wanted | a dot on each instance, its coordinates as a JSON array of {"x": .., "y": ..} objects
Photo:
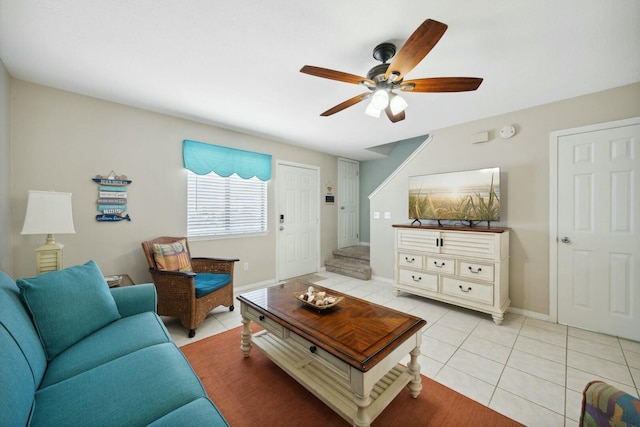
[{"x": 467, "y": 196}]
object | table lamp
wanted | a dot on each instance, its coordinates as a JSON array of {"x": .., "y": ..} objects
[{"x": 49, "y": 213}]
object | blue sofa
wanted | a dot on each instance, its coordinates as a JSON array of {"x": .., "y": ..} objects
[{"x": 74, "y": 352}]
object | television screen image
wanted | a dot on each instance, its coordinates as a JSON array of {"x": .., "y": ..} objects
[{"x": 472, "y": 195}]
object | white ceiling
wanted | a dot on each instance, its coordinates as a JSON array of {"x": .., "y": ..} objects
[{"x": 235, "y": 64}]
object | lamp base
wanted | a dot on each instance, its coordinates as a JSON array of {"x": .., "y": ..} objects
[{"x": 49, "y": 256}]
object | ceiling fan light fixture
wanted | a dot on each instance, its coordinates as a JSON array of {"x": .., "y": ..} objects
[
  {"x": 397, "y": 104},
  {"x": 372, "y": 111},
  {"x": 394, "y": 76},
  {"x": 380, "y": 99},
  {"x": 385, "y": 80}
]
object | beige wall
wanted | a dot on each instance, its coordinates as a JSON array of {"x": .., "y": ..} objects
[
  {"x": 5, "y": 211},
  {"x": 61, "y": 140},
  {"x": 524, "y": 162}
]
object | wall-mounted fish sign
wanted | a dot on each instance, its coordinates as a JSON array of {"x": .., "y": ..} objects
[{"x": 112, "y": 217}]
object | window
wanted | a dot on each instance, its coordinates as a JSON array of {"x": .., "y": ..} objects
[
  {"x": 226, "y": 190},
  {"x": 219, "y": 206}
]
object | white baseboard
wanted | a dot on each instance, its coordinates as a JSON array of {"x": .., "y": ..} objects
[
  {"x": 259, "y": 285},
  {"x": 527, "y": 313},
  {"x": 253, "y": 286},
  {"x": 382, "y": 279}
]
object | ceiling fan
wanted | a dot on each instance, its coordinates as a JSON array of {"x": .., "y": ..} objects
[{"x": 384, "y": 80}]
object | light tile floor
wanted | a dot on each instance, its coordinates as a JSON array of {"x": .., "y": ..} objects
[{"x": 527, "y": 369}]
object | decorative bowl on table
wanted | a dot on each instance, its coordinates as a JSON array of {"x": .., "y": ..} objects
[{"x": 319, "y": 300}]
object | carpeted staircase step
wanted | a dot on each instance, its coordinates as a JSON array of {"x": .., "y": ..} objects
[{"x": 352, "y": 261}]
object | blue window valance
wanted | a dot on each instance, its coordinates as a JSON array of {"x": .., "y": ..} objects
[{"x": 202, "y": 159}]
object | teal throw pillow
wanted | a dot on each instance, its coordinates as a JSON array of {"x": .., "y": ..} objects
[{"x": 67, "y": 305}]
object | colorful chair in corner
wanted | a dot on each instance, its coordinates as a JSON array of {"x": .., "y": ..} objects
[
  {"x": 603, "y": 405},
  {"x": 188, "y": 288}
]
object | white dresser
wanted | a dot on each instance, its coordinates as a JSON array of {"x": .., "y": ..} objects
[{"x": 468, "y": 267}]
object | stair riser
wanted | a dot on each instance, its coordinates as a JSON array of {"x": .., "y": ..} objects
[
  {"x": 350, "y": 273},
  {"x": 353, "y": 254},
  {"x": 354, "y": 260}
]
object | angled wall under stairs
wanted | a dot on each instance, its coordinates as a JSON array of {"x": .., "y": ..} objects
[{"x": 352, "y": 261}]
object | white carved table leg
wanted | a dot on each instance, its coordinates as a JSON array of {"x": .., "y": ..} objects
[
  {"x": 362, "y": 415},
  {"x": 415, "y": 385},
  {"x": 245, "y": 344}
]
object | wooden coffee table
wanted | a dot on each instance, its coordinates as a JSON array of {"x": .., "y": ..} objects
[{"x": 348, "y": 355}]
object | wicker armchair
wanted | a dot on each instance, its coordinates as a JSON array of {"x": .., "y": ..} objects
[{"x": 177, "y": 290}]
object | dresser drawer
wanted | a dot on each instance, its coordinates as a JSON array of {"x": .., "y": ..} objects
[
  {"x": 467, "y": 290},
  {"x": 440, "y": 265},
  {"x": 476, "y": 245},
  {"x": 264, "y": 321},
  {"x": 475, "y": 270},
  {"x": 418, "y": 279},
  {"x": 410, "y": 260},
  {"x": 418, "y": 240}
]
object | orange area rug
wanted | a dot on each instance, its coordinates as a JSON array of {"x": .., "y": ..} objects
[{"x": 254, "y": 391}]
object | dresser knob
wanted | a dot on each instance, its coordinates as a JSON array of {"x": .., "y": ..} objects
[
  {"x": 465, "y": 290},
  {"x": 313, "y": 349},
  {"x": 261, "y": 318},
  {"x": 476, "y": 271},
  {"x": 416, "y": 279}
]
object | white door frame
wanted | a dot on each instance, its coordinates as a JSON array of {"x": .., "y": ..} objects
[
  {"x": 276, "y": 219},
  {"x": 554, "y": 138}
]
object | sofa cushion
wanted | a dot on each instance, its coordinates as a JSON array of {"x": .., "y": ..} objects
[
  {"x": 132, "y": 390},
  {"x": 209, "y": 282},
  {"x": 67, "y": 305},
  {"x": 172, "y": 256},
  {"x": 201, "y": 412},
  {"x": 115, "y": 340}
]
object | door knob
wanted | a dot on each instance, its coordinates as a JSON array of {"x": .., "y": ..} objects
[
  {"x": 565, "y": 239},
  {"x": 281, "y": 228}
]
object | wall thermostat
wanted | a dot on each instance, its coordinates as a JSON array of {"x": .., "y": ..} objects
[{"x": 507, "y": 132}]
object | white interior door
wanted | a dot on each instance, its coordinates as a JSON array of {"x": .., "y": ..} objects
[
  {"x": 348, "y": 203},
  {"x": 297, "y": 220},
  {"x": 598, "y": 242}
]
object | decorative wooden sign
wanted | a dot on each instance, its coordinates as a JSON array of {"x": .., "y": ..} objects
[{"x": 112, "y": 197}]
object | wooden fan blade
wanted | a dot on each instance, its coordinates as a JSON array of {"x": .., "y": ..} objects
[
  {"x": 419, "y": 44},
  {"x": 397, "y": 117},
  {"x": 441, "y": 84},
  {"x": 334, "y": 75},
  {"x": 346, "y": 104}
]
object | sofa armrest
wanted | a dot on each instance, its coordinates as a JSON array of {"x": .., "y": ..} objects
[
  {"x": 605, "y": 405},
  {"x": 135, "y": 299}
]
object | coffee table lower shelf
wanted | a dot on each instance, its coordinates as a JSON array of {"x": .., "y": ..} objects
[{"x": 334, "y": 382}]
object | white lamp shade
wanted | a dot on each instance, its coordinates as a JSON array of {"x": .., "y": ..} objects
[
  {"x": 372, "y": 110},
  {"x": 397, "y": 104},
  {"x": 380, "y": 99},
  {"x": 48, "y": 212}
]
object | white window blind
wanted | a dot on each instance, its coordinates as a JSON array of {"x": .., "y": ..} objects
[{"x": 218, "y": 206}]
